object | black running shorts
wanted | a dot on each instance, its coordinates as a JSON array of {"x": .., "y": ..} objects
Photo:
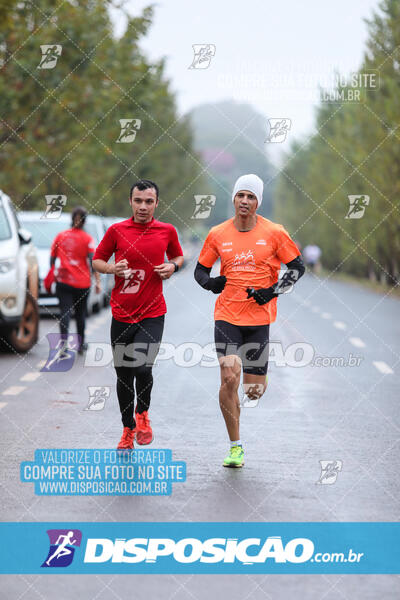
[{"x": 249, "y": 342}]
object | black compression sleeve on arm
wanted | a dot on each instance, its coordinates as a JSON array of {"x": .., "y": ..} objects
[
  {"x": 297, "y": 263},
  {"x": 202, "y": 275},
  {"x": 295, "y": 270}
]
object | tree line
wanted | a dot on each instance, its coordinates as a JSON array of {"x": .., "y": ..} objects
[
  {"x": 84, "y": 113},
  {"x": 340, "y": 189}
]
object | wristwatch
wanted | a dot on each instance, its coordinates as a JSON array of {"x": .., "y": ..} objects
[{"x": 175, "y": 265}]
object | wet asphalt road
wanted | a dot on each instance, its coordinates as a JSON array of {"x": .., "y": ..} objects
[{"x": 308, "y": 414}]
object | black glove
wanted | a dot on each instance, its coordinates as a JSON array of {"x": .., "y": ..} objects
[
  {"x": 263, "y": 295},
  {"x": 202, "y": 276},
  {"x": 216, "y": 284}
]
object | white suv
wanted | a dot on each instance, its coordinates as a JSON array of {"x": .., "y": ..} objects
[{"x": 19, "y": 282}]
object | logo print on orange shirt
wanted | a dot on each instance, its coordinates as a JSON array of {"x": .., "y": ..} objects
[{"x": 244, "y": 261}]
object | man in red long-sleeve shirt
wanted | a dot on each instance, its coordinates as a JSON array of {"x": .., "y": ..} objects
[{"x": 137, "y": 302}]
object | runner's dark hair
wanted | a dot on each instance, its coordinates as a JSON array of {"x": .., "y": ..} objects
[
  {"x": 144, "y": 184},
  {"x": 82, "y": 212}
]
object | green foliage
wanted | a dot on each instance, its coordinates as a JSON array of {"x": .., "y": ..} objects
[
  {"x": 355, "y": 151},
  {"x": 60, "y": 126}
]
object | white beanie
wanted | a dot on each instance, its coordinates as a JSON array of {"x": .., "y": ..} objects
[{"x": 250, "y": 182}]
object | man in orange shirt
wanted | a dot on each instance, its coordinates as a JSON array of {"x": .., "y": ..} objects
[{"x": 251, "y": 249}]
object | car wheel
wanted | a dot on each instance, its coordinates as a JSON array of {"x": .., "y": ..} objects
[{"x": 25, "y": 335}]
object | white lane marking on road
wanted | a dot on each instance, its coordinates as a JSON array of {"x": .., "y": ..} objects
[
  {"x": 30, "y": 376},
  {"x": 382, "y": 367},
  {"x": 3, "y": 404},
  {"x": 41, "y": 364},
  {"x": 315, "y": 309},
  {"x": 14, "y": 390},
  {"x": 326, "y": 315},
  {"x": 357, "y": 342},
  {"x": 339, "y": 325}
]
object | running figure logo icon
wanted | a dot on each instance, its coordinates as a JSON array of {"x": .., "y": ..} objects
[
  {"x": 62, "y": 352},
  {"x": 133, "y": 279},
  {"x": 54, "y": 205},
  {"x": 50, "y": 55},
  {"x": 278, "y": 129},
  {"x": 98, "y": 395},
  {"x": 62, "y": 547},
  {"x": 286, "y": 281},
  {"x": 251, "y": 395},
  {"x": 203, "y": 54},
  {"x": 329, "y": 471},
  {"x": 203, "y": 206},
  {"x": 129, "y": 127},
  {"x": 358, "y": 204}
]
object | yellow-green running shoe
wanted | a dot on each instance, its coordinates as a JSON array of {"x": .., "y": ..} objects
[{"x": 235, "y": 457}]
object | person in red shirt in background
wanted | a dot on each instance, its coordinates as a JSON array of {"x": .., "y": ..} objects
[
  {"x": 74, "y": 248},
  {"x": 137, "y": 302}
]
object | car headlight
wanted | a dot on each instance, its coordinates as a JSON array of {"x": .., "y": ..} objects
[{"x": 6, "y": 264}]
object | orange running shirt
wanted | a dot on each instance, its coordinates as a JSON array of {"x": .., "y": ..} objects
[{"x": 248, "y": 259}]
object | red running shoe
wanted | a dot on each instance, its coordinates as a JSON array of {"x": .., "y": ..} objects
[
  {"x": 126, "y": 441},
  {"x": 144, "y": 432}
]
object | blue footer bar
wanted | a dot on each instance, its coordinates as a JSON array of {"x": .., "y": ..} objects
[{"x": 219, "y": 548}]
